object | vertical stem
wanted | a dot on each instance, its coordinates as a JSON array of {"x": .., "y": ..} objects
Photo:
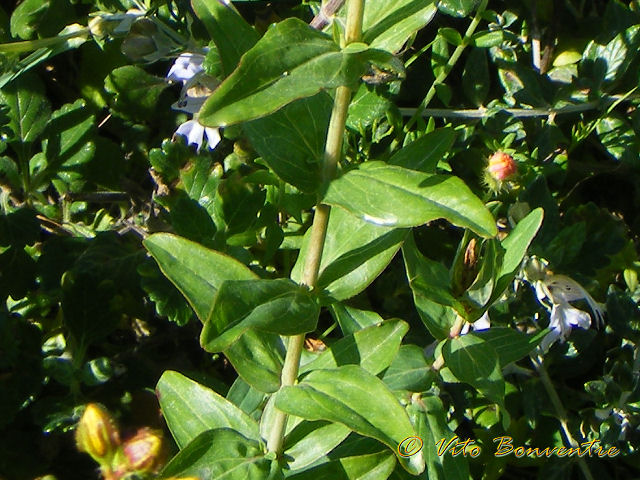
[{"x": 333, "y": 151}]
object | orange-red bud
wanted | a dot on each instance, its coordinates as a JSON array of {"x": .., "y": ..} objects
[
  {"x": 501, "y": 166},
  {"x": 145, "y": 451},
  {"x": 96, "y": 434}
]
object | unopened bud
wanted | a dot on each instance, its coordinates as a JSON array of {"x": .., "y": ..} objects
[
  {"x": 144, "y": 452},
  {"x": 136, "y": 47},
  {"x": 96, "y": 434},
  {"x": 501, "y": 166}
]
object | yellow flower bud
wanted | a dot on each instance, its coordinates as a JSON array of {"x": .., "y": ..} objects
[
  {"x": 96, "y": 434},
  {"x": 144, "y": 452}
]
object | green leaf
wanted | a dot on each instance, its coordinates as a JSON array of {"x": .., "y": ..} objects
[
  {"x": 619, "y": 139},
  {"x": 373, "y": 348},
  {"x": 18, "y": 274},
  {"x": 394, "y": 196},
  {"x": 352, "y": 319},
  {"x": 409, "y": 370},
  {"x": 515, "y": 247},
  {"x": 136, "y": 93},
  {"x": 29, "y": 109},
  {"x": 258, "y": 359},
  {"x": 457, "y": 8},
  {"x": 366, "y": 107},
  {"x": 355, "y": 253},
  {"x": 232, "y": 35},
  {"x": 195, "y": 270},
  {"x": 388, "y": 25},
  {"x": 292, "y": 140},
  {"x": 509, "y": 344},
  {"x": 439, "y": 55},
  {"x": 220, "y": 454},
  {"x": 363, "y": 467},
  {"x": 276, "y": 306},
  {"x": 429, "y": 282},
  {"x": 608, "y": 63},
  {"x": 27, "y": 16},
  {"x": 291, "y": 61},
  {"x": 424, "y": 153},
  {"x": 238, "y": 203},
  {"x": 190, "y": 409},
  {"x": 475, "y": 77},
  {"x": 200, "y": 180},
  {"x": 245, "y": 397},
  {"x": 474, "y": 361},
  {"x": 309, "y": 442},
  {"x": 344, "y": 395},
  {"x": 430, "y": 419}
]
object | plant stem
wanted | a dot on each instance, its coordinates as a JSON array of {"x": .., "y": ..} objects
[
  {"x": 561, "y": 413},
  {"x": 30, "y": 45},
  {"x": 448, "y": 67},
  {"x": 333, "y": 151}
]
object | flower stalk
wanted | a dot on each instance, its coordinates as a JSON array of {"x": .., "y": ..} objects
[{"x": 333, "y": 151}]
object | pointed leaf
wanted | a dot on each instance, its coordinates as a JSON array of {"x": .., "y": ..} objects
[
  {"x": 373, "y": 348},
  {"x": 276, "y": 306},
  {"x": 190, "y": 409},
  {"x": 394, "y": 196},
  {"x": 510, "y": 345},
  {"x": 352, "y": 319},
  {"x": 195, "y": 270},
  {"x": 344, "y": 395}
]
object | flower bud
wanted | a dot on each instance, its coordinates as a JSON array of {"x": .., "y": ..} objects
[
  {"x": 144, "y": 452},
  {"x": 96, "y": 434},
  {"x": 501, "y": 166},
  {"x": 137, "y": 47}
]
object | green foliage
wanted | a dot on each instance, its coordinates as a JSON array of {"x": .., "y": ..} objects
[{"x": 362, "y": 275}]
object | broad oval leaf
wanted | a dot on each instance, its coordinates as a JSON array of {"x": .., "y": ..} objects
[
  {"x": 510, "y": 345},
  {"x": 409, "y": 370},
  {"x": 607, "y": 63},
  {"x": 276, "y": 306},
  {"x": 388, "y": 195},
  {"x": 291, "y": 61},
  {"x": 373, "y": 348},
  {"x": 195, "y": 270},
  {"x": 190, "y": 409},
  {"x": 344, "y": 395},
  {"x": 220, "y": 454},
  {"x": 355, "y": 253}
]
